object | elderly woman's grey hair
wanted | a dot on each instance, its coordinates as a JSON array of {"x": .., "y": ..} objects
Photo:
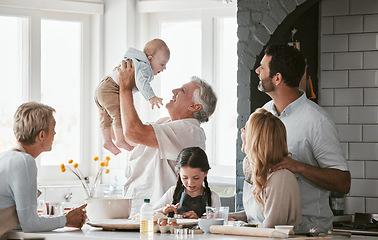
[
  {"x": 205, "y": 96},
  {"x": 30, "y": 119}
]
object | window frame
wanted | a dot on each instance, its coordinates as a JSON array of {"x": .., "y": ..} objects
[
  {"x": 52, "y": 172},
  {"x": 89, "y": 14},
  {"x": 151, "y": 14}
]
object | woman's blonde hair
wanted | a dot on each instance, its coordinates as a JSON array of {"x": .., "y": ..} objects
[
  {"x": 265, "y": 145},
  {"x": 31, "y": 118}
]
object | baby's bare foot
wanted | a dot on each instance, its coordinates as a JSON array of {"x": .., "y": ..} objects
[
  {"x": 123, "y": 144},
  {"x": 112, "y": 148}
]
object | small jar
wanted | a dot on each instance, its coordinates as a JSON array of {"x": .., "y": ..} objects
[{"x": 337, "y": 203}]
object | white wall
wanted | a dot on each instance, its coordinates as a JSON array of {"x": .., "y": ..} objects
[
  {"x": 115, "y": 34},
  {"x": 349, "y": 91}
]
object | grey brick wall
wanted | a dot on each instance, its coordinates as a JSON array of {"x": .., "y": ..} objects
[
  {"x": 257, "y": 21},
  {"x": 348, "y": 80},
  {"x": 349, "y": 91}
]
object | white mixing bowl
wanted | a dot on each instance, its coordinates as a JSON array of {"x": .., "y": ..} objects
[
  {"x": 108, "y": 208},
  {"x": 205, "y": 223}
]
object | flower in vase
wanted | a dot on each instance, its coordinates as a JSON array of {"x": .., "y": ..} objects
[{"x": 89, "y": 190}]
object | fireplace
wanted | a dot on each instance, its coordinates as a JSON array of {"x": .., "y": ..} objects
[{"x": 260, "y": 23}]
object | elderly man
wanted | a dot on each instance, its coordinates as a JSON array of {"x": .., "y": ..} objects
[
  {"x": 317, "y": 157},
  {"x": 151, "y": 169}
]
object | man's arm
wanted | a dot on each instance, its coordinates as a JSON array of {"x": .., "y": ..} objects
[
  {"x": 328, "y": 178},
  {"x": 133, "y": 127}
]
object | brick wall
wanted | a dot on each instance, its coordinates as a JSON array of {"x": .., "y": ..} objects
[
  {"x": 349, "y": 91},
  {"x": 348, "y": 82},
  {"x": 257, "y": 21}
]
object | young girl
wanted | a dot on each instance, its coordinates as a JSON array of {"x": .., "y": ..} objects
[{"x": 191, "y": 194}]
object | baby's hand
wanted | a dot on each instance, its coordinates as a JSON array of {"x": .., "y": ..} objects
[
  {"x": 117, "y": 67},
  {"x": 156, "y": 101},
  {"x": 171, "y": 208}
]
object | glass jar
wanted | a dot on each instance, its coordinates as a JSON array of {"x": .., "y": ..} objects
[{"x": 337, "y": 202}]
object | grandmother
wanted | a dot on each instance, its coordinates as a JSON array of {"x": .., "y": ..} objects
[{"x": 34, "y": 128}]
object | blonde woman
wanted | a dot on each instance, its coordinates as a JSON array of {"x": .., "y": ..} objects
[
  {"x": 269, "y": 198},
  {"x": 34, "y": 128}
]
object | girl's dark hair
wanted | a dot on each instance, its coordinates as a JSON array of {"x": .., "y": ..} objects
[{"x": 193, "y": 157}]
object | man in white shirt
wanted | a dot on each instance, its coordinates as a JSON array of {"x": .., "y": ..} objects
[
  {"x": 317, "y": 157},
  {"x": 151, "y": 171}
]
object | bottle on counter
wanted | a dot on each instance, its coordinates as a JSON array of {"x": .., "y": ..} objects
[
  {"x": 336, "y": 201},
  {"x": 41, "y": 208},
  {"x": 146, "y": 219}
]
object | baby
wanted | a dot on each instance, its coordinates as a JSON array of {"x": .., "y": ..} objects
[{"x": 148, "y": 63}]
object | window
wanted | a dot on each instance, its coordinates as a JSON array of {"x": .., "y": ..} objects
[
  {"x": 184, "y": 42},
  {"x": 12, "y": 50},
  {"x": 226, "y": 85},
  {"x": 60, "y": 85},
  {"x": 203, "y": 43},
  {"x": 45, "y": 58},
  {"x": 64, "y": 81}
]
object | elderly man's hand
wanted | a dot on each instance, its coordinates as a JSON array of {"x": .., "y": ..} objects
[{"x": 126, "y": 78}]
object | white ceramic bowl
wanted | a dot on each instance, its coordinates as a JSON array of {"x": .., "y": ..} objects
[
  {"x": 285, "y": 227},
  {"x": 205, "y": 223},
  {"x": 108, "y": 208}
]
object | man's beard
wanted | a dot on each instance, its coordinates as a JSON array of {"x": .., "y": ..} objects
[{"x": 265, "y": 85}]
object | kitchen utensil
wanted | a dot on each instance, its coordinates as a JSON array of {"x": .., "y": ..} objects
[
  {"x": 108, "y": 208},
  {"x": 254, "y": 232},
  {"x": 128, "y": 224},
  {"x": 363, "y": 218},
  {"x": 205, "y": 223},
  {"x": 220, "y": 212},
  {"x": 288, "y": 227}
]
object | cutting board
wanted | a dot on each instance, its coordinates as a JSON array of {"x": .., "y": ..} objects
[
  {"x": 127, "y": 224},
  {"x": 260, "y": 232},
  {"x": 254, "y": 232},
  {"x": 114, "y": 224}
]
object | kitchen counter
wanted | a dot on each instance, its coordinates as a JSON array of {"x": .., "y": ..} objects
[{"x": 96, "y": 233}]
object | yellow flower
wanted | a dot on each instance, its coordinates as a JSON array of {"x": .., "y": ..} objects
[
  {"x": 62, "y": 167},
  {"x": 75, "y": 169}
]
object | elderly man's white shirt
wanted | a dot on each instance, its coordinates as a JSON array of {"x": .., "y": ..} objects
[
  {"x": 313, "y": 139},
  {"x": 151, "y": 171}
]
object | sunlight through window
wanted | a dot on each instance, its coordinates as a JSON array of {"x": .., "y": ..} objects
[
  {"x": 12, "y": 73},
  {"x": 61, "y": 71}
]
